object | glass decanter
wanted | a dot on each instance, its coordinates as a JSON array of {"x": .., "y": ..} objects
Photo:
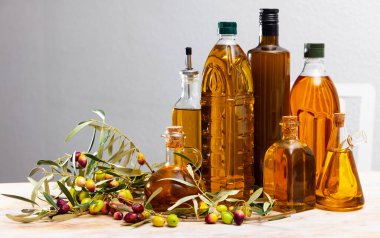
[
  {"x": 289, "y": 170},
  {"x": 338, "y": 185},
  {"x": 174, "y": 167}
]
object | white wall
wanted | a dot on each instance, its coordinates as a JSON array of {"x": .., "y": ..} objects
[{"x": 60, "y": 59}]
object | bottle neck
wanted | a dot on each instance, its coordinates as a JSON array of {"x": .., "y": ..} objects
[
  {"x": 314, "y": 67},
  {"x": 171, "y": 158},
  {"x": 190, "y": 93},
  {"x": 268, "y": 40},
  {"x": 338, "y": 139},
  {"x": 269, "y": 34},
  {"x": 290, "y": 132},
  {"x": 227, "y": 40}
]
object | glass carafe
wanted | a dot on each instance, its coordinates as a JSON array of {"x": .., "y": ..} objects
[
  {"x": 338, "y": 185},
  {"x": 175, "y": 167},
  {"x": 289, "y": 170},
  {"x": 227, "y": 116}
]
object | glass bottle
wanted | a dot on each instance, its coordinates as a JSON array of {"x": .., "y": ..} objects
[
  {"x": 187, "y": 110},
  {"x": 314, "y": 100},
  {"x": 338, "y": 185},
  {"x": 289, "y": 170},
  {"x": 270, "y": 66},
  {"x": 227, "y": 116},
  {"x": 174, "y": 167}
]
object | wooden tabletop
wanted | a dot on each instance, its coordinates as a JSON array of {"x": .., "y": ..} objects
[{"x": 315, "y": 223}]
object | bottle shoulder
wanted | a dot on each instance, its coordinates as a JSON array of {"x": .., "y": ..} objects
[
  {"x": 290, "y": 146},
  {"x": 269, "y": 49}
]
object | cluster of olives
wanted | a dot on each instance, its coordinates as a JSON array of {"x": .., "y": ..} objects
[
  {"x": 159, "y": 221},
  {"x": 228, "y": 215}
]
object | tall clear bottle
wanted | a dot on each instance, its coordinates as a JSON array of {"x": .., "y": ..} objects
[
  {"x": 289, "y": 170},
  {"x": 314, "y": 100},
  {"x": 187, "y": 110},
  {"x": 338, "y": 185},
  {"x": 227, "y": 116},
  {"x": 270, "y": 66}
]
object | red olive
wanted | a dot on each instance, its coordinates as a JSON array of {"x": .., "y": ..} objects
[
  {"x": 239, "y": 217},
  {"x": 118, "y": 215},
  {"x": 137, "y": 207},
  {"x": 130, "y": 217}
]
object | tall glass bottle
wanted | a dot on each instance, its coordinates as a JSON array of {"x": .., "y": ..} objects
[
  {"x": 314, "y": 100},
  {"x": 187, "y": 110},
  {"x": 338, "y": 185},
  {"x": 289, "y": 170},
  {"x": 270, "y": 66},
  {"x": 227, "y": 116}
]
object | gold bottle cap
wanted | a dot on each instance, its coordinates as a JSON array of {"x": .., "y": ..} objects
[
  {"x": 174, "y": 136},
  {"x": 339, "y": 119}
]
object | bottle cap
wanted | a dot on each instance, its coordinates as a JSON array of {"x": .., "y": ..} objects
[
  {"x": 314, "y": 50},
  {"x": 269, "y": 21},
  {"x": 227, "y": 28}
]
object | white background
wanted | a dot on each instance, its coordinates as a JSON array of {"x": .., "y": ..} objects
[{"x": 60, "y": 59}]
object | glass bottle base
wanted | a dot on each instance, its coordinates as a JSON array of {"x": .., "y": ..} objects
[{"x": 347, "y": 206}]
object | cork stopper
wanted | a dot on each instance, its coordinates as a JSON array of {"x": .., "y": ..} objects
[
  {"x": 290, "y": 127},
  {"x": 174, "y": 136},
  {"x": 339, "y": 119}
]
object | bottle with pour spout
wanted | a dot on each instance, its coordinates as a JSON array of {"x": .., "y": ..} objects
[{"x": 187, "y": 110}]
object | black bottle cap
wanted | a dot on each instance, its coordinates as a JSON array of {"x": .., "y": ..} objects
[
  {"x": 227, "y": 28},
  {"x": 314, "y": 50},
  {"x": 269, "y": 21},
  {"x": 188, "y": 50}
]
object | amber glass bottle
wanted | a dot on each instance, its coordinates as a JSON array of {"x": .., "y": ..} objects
[
  {"x": 227, "y": 116},
  {"x": 338, "y": 185},
  {"x": 289, "y": 170},
  {"x": 314, "y": 100},
  {"x": 270, "y": 66},
  {"x": 174, "y": 168},
  {"x": 187, "y": 110}
]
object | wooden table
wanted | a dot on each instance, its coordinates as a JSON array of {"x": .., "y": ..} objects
[{"x": 315, "y": 223}]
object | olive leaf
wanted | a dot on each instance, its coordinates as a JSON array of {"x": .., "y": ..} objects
[
  {"x": 37, "y": 188},
  {"x": 79, "y": 127},
  {"x": 50, "y": 200},
  {"x": 266, "y": 206},
  {"x": 182, "y": 200},
  {"x": 48, "y": 162},
  {"x": 195, "y": 203},
  {"x": 179, "y": 181},
  {"x": 35, "y": 170},
  {"x": 67, "y": 193},
  {"x": 153, "y": 195},
  {"x": 100, "y": 113},
  {"x": 205, "y": 200},
  {"x": 255, "y": 195},
  {"x": 28, "y": 219},
  {"x": 222, "y": 195},
  {"x": 92, "y": 141},
  {"x": 20, "y": 198},
  {"x": 190, "y": 170}
]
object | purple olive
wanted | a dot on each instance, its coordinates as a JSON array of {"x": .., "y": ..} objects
[
  {"x": 137, "y": 207},
  {"x": 130, "y": 217},
  {"x": 239, "y": 217},
  {"x": 118, "y": 215},
  {"x": 65, "y": 208},
  {"x": 61, "y": 202},
  {"x": 140, "y": 217},
  {"x": 77, "y": 154}
]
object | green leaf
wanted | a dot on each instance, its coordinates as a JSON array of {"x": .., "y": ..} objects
[
  {"x": 90, "y": 166},
  {"x": 35, "y": 170},
  {"x": 179, "y": 181},
  {"x": 20, "y": 198},
  {"x": 66, "y": 192},
  {"x": 182, "y": 200},
  {"x": 255, "y": 195},
  {"x": 64, "y": 217},
  {"x": 48, "y": 162},
  {"x": 269, "y": 198},
  {"x": 195, "y": 203},
  {"x": 93, "y": 157},
  {"x": 266, "y": 206},
  {"x": 232, "y": 200},
  {"x": 121, "y": 186},
  {"x": 110, "y": 145},
  {"x": 77, "y": 129},
  {"x": 222, "y": 195},
  {"x": 128, "y": 172},
  {"x": 50, "y": 200},
  {"x": 28, "y": 219},
  {"x": 153, "y": 195},
  {"x": 92, "y": 141},
  {"x": 204, "y": 199},
  {"x": 188, "y": 159},
  {"x": 190, "y": 170},
  {"x": 36, "y": 189},
  {"x": 100, "y": 113}
]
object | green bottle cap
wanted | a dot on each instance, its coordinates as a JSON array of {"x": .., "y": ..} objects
[
  {"x": 227, "y": 28},
  {"x": 314, "y": 50}
]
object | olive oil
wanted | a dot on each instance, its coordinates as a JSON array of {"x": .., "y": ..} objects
[
  {"x": 227, "y": 116},
  {"x": 190, "y": 120}
]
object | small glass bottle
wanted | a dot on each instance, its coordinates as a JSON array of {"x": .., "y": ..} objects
[
  {"x": 174, "y": 167},
  {"x": 289, "y": 170},
  {"x": 338, "y": 185},
  {"x": 314, "y": 100},
  {"x": 187, "y": 110}
]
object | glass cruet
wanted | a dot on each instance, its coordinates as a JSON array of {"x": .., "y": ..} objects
[
  {"x": 338, "y": 186},
  {"x": 174, "y": 167}
]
